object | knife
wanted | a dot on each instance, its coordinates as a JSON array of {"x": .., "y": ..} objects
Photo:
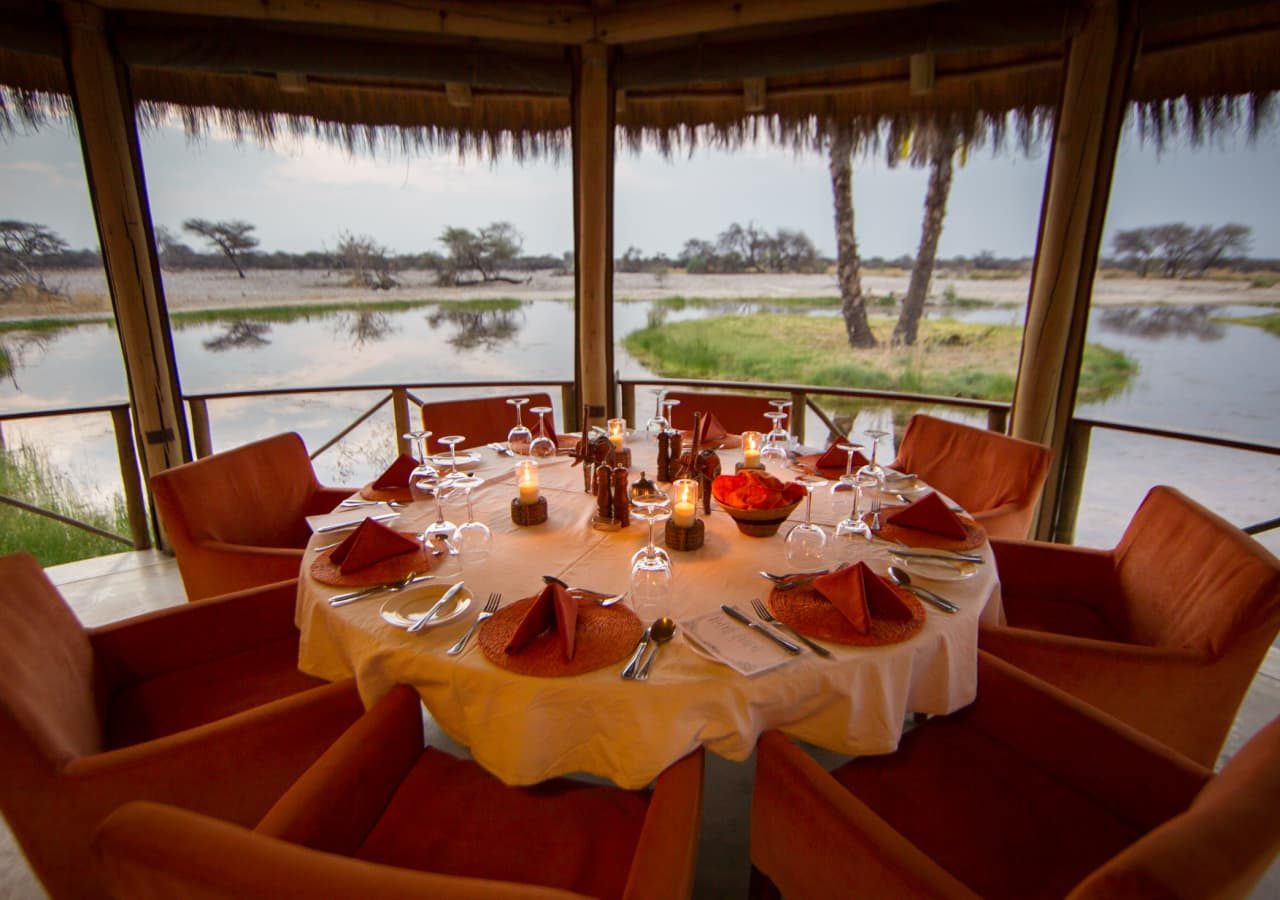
[
  {"x": 343, "y": 526},
  {"x": 929, "y": 596},
  {"x": 629, "y": 670},
  {"x": 435, "y": 608},
  {"x": 739, "y": 616},
  {"x": 946, "y": 556},
  {"x": 352, "y": 596}
]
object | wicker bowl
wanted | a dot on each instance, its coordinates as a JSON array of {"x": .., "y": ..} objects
[{"x": 759, "y": 522}]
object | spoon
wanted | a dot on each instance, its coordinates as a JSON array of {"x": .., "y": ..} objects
[
  {"x": 900, "y": 577},
  {"x": 660, "y": 631}
]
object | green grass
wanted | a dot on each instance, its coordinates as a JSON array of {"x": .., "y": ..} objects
[
  {"x": 952, "y": 358},
  {"x": 51, "y": 324},
  {"x": 1264, "y": 280},
  {"x": 1270, "y": 322},
  {"x": 26, "y": 474}
]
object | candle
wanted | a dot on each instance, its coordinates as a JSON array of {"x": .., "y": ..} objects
[
  {"x": 617, "y": 432},
  {"x": 751, "y": 449},
  {"x": 684, "y": 509},
  {"x": 527, "y": 482}
]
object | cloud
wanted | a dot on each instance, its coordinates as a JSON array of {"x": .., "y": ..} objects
[{"x": 52, "y": 174}]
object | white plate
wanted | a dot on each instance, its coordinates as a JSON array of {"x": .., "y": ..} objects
[
  {"x": 908, "y": 487},
  {"x": 467, "y": 459},
  {"x": 404, "y": 609},
  {"x": 936, "y": 570}
]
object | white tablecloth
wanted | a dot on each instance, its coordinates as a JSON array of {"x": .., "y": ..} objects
[{"x": 525, "y": 729}]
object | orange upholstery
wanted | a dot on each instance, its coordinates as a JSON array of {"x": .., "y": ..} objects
[
  {"x": 481, "y": 419},
  {"x": 1027, "y": 793},
  {"x": 238, "y": 519},
  {"x": 1166, "y": 631},
  {"x": 379, "y": 816},
  {"x": 736, "y": 412},
  {"x": 996, "y": 478},
  {"x": 201, "y": 706}
]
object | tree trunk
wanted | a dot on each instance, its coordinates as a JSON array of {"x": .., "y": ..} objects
[
  {"x": 935, "y": 212},
  {"x": 853, "y": 305}
]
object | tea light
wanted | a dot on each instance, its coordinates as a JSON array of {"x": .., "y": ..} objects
[
  {"x": 751, "y": 443},
  {"x": 685, "y": 508},
  {"x": 527, "y": 482},
  {"x": 617, "y": 432}
]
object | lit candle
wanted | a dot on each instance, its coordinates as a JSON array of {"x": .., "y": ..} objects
[
  {"x": 751, "y": 449},
  {"x": 617, "y": 431},
  {"x": 527, "y": 482},
  {"x": 684, "y": 509}
]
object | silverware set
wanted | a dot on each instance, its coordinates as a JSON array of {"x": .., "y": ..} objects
[
  {"x": 739, "y": 616},
  {"x": 763, "y": 612},
  {"x": 662, "y": 630},
  {"x": 490, "y": 607},
  {"x": 389, "y": 587},
  {"x": 343, "y": 526}
]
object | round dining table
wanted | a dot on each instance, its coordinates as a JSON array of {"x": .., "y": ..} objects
[{"x": 525, "y": 729}]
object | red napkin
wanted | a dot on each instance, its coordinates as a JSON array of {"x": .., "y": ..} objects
[
  {"x": 553, "y": 608},
  {"x": 930, "y": 514},
  {"x": 712, "y": 430},
  {"x": 861, "y": 595},
  {"x": 370, "y": 543},
  {"x": 397, "y": 474},
  {"x": 836, "y": 459}
]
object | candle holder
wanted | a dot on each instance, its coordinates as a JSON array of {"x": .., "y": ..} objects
[
  {"x": 678, "y": 537},
  {"x": 529, "y": 507},
  {"x": 529, "y": 513},
  {"x": 752, "y": 443},
  {"x": 684, "y": 530},
  {"x": 620, "y": 455}
]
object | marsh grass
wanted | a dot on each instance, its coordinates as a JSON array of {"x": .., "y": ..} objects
[
  {"x": 955, "y": 359},
  {"x": 25, "y": 474},
  {"x": 1269, "y": 322}
]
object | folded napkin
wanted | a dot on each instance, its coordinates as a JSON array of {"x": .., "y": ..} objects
[
  {"x": 553, "y": 608},
  {"x": 861, "y": 595},
  {"x": 370, "y": 543},
  {"x": 930, "y": 514},
  {"x": 712, "y": 430},
  {"x": 836, "y": 459},
  {"x": 397, "y": 474}
]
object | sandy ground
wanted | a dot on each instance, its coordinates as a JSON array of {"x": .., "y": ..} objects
[{"x": 220, "y": 290}]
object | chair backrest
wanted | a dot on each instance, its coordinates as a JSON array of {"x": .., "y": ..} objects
[
  {"x": 736, "y": 412},
  {"x": 979, "y": 469},
  {"x": 1220, "y": 847},
  {"x": 482, "y": 419},
  {"x": 255, "y": 494},
  {"x": 1192, "y": 579}
]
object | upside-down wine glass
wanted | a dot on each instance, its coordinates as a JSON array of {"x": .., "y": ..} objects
[
  {"x": 473, "y": 539},
  {"x": 452, "y": 441},
  {"x": 670, "y": 407},
  {"x": 424, "y": 474},
  {"x": 854, "y": 526},
  {"x": 519, "y": 437},
  {"x": 844, "y": 484},
  {"x": 651, "y": 566},
  {"x": 658, "y": 423},
  {"x": 774, "y": 452},
  {"x": 542, "y": 446},
  {"x": 806, "y": 542},
  {"x": 780, "y": 434},
  {"x": 441, "y": 530},
  {"x": 873, "y": 468}
]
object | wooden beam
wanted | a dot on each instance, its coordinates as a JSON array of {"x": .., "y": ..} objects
[
  {"x": 112, "y": 160},
  {"x": 1095, "y": 90},
  {"x": 593, "y": 228},
  {"x": 677, "y": 19}
]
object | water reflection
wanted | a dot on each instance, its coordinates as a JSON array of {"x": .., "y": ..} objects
[
  {"x": 485, "y": 328},
  {"x": 366, "y": 327},
  {"x": 1163, "y": 321},
  {"x": 242, "y": 333},
  {"x": 14, "y": 350}
]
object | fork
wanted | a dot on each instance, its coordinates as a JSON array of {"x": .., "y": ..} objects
[
  {"x": 763, "y": 612},
  {"x": 490, "y": 607}
]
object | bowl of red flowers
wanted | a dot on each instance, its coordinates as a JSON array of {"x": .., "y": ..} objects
[{"x": 757, "y": 502}]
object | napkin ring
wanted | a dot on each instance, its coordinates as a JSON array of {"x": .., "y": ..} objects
[
  {"x": 529, "y": 513},
  {"x": 681, "y": 537}
]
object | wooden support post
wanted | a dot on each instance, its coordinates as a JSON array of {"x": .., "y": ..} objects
[
  {"x": 131, "y": 478},
  {"x": 593, "y": 228},
  {"x": 1090, "y": 117},
  {"x": 201, "y": 436},
  {"x": 799, "y": 412},
  {"x": 629, "y": 403},
  {"x": 998, "y": 420},
  {"x": 400, "y": 411},
  {"x": 109, "y": 137},
  {"x": 1077, "y": 459},
  {"x": 569, "y": 403}
]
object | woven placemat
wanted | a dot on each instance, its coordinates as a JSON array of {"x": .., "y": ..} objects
[
  {"x": 975, "y": 536},
  {"x": 325, "y": 570},
  {"x": 386, "y": 495},
  {"x": 812, "y": 614},
  {"x": 605, "y": 636}
]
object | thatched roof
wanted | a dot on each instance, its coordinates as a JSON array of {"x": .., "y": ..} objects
[{"x": 996, "y": 66}]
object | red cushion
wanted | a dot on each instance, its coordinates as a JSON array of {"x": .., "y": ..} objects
[
  {"x": 452, "y": 817},
  {"x": 205, "y": 693},
  {"x": 1060, "y": 617}
]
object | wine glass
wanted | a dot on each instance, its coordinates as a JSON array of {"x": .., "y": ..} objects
[
  {"x": 441, "y": 530},
  {"x": 422, "y": 478},
  {"x": 473, "y": 539},
  {"x": 844, "y": 484},
  {"x": 452, "y": 441},
  {"x": 806, "y": 542},
  {"x": 658, "y": 423},
  {"x": 773, "y": 455},
  {"x": 519, "y": 437},
  {"x": 650, "y": 504},
  {"x": 854, "y": 526},
  {"x": 542, "y": 446},
  {"x": 873, "y": 468},
  {"x": 651, "y": 568},
  {"x": 780, "y": 434},
  {"x": 669, "y": 406}
]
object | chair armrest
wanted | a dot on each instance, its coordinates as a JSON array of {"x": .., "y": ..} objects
[
  {"x": 1135, "y": 776},
  {"x": 667, "y": 852},
  {"x": 1054, "y": 571},
  {"x": 325, "y": 499},
  {"x": 337, "y": 802},
  {"x": 179, "y": 637},
  {"x": 251, "y": 551},
  {"x": 815, "y": 839}
]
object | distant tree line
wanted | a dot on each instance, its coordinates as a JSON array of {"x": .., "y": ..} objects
[{"x": 1177, "y": 250}]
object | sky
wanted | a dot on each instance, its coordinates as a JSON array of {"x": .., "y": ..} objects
[{"x": 304, "y": 195}]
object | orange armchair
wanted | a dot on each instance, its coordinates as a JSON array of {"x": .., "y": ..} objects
[
  {"x": 199, "y": 705},
  {"x": 379, "y": 816},
  {"x": 481, "y": 420},
  {"x": 1028, "y": 793},
  {"x": 1165, "y": 632},
  {"x": 736, "y": 412},
  {"x": 998, "y": 479},
  {"x": 238, "y": 519}
]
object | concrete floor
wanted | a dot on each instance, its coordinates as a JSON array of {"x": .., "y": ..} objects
[{"x": 109, "y": 588}]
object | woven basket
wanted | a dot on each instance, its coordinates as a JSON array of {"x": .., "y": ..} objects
[
  {"x": 759, "y": 522},
  {"x": 679, "y": 537}
]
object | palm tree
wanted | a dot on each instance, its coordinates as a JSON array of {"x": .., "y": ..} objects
[
  {"x": 935, "y": 211},
  {"x": 853, "y": 305}
]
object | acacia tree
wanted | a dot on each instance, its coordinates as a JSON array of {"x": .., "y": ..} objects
[
  {"x": 1180, "y": 248},
  {"x": 935, "y": 213},
  {"x": 484, "y": 252},
  {"x": 368, "y": 261},
  {"x": 21, "y": 246},
  {"x": 232, "y": 237},
  {"x": 853, "y": 303}
]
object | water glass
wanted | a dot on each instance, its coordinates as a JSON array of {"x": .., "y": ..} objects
[{"x": 806, "y": 542}]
